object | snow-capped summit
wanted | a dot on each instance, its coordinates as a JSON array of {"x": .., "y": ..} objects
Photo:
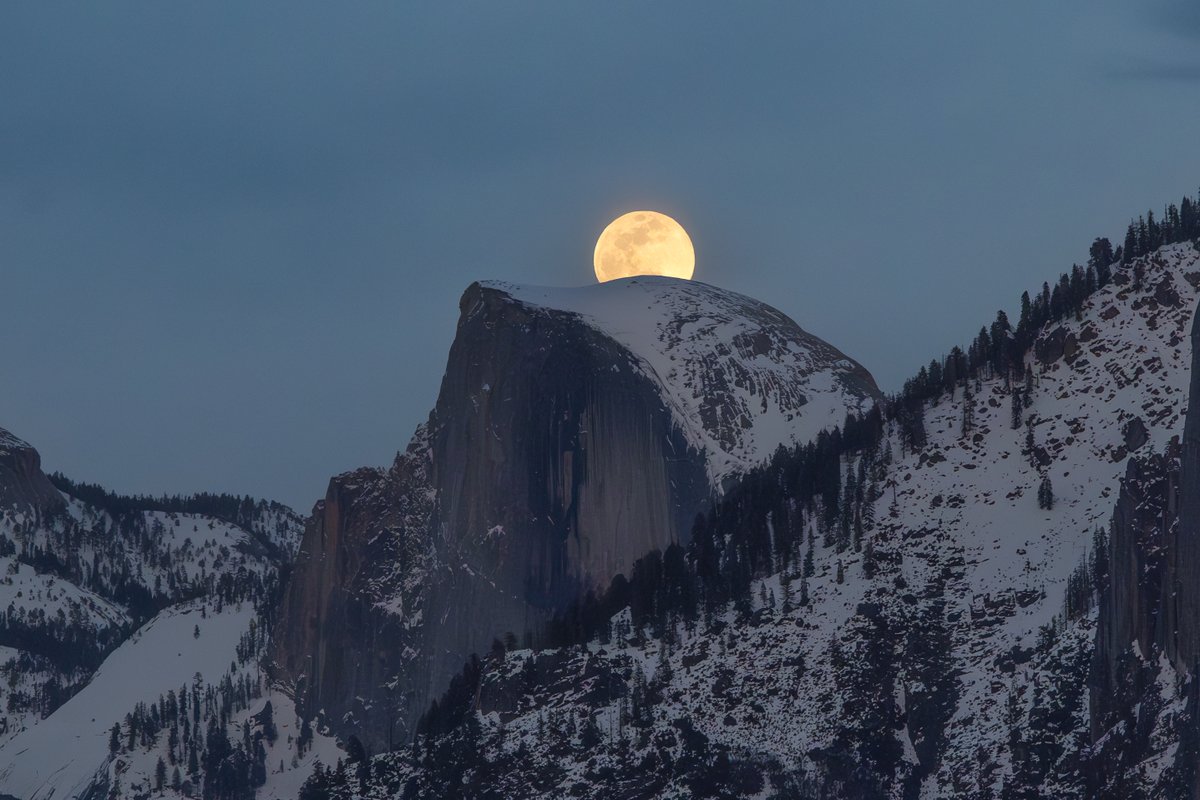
[{"x": 740, "y": 377}]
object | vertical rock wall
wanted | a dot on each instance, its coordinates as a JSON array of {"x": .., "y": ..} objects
[
  {"x": 22, "y": 482},
  {"x": 555, "y": 465},
  {"x": 550, "y": 465},
  {"x": 1182, "y": 604}
]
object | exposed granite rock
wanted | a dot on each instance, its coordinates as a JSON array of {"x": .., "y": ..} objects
[
  {"x": 1183, "y": 607},
  {"x": 22, "y": 482},
  {"x": 1129, "y": 614},
  {"x": 351, "y": 616},
  {"x": 1135, "y": 434},
  {"x": 1151, "y": 605},
  {"x": 1050, "y": 348}
]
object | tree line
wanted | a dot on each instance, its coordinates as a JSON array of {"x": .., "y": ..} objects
[
  {"x": 999, "y": 348},
  {"x": 239, "y": 510}
]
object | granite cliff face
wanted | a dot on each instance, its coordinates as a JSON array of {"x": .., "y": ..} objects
[
  {"x": 1131, "y": 610},
  {"x": 1183, "y": 612},
  {"x": 350, "y": 621},
  {"x": 1148, "y": 630},
  {"x": 1153, "y": 597},
  {"x": 575, "y": 431},
  {"x": 22, "y": 482}
]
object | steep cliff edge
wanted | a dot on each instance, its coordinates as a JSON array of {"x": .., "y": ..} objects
[
  {"x": 739, "y": 376},
  {"x": 575, "y": 430},
  {"x": 351, "y": 616},
  {"x": 1184, "y": 572},
  {"x": 22, "y": 482},
  {"x": 1143, "y": 679}
]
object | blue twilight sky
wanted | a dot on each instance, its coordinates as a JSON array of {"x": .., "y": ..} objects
[{"x": 233, "y": 235}]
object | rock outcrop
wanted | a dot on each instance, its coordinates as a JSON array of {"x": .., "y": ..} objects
[
  {"x": 1131, "y": 618},
  {"x": 575, "y": 431},
  {"x": 1183, "y": 607},
  {"x": 1153, "y": 597},
  {"x": 22, "y": 482},
  {"x": 351, "y": 621},
  {"x": 1149, "y": 615}
]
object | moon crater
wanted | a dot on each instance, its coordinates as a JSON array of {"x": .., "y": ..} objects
[{"x": 644, "y": 243}]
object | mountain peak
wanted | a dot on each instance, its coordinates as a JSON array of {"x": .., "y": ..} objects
[{"x": 739, "y": 376}]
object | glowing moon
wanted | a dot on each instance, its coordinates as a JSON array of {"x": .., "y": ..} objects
[{"x": 644, "y": 243}]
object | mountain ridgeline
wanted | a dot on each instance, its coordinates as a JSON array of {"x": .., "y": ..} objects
[{"x": 934, "y": 597}]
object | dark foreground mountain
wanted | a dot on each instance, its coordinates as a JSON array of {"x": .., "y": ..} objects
[{"x": 576, "y": 430}]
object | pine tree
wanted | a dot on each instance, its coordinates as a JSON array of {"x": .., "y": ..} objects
[
  {"x": 1100, "y": 258},
  {"x": 590, "y": 737},
  {"x": 1099, "y": 560},
  {"x": 664, "y": 674},
  {"x": 267, "y": 718},
  {"x": 160, "y": 774},
  {"x": 1025, "y": 321},
  {"x": 1017, "y": 408},
  {"x": 868, "y": 509},
  {"x": 849, "y": 490},
  {"x": 968, "y": 409},
  {"x": 1045, "y": 494}
]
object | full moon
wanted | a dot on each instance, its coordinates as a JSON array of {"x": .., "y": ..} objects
[{"x": 644, "y": 243}]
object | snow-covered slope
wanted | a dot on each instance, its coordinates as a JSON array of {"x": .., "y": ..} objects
[
  {"x": 75, "y": 580},
  {"x": 194, "y": 648},
  {"x": 935, "y": 655},
  {"x": 61, "y": 755},
  {"x": 960, "y": 517},
  {"x": 740, "y": 377},
  {"x": 90, "y": 587}
]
